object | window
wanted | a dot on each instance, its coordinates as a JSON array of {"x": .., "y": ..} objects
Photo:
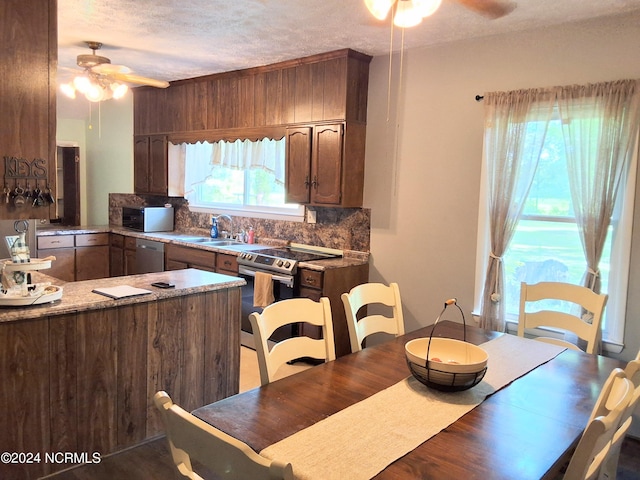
[
  {"x": 238, "y": 177},
  {"x": 546, "y": 244}
]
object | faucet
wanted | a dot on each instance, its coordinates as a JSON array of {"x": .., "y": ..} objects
[{"x": 230, "y": 220}]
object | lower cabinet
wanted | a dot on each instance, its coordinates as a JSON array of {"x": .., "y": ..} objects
[
  {"x": 332, "y": 283},
  {"x": 178, "y": 257},
  {"x": 227, "y": 264},
  {"x": 78, "y": 257}
]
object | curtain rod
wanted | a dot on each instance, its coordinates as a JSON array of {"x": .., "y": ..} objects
[{"x": 479, "y": 98}]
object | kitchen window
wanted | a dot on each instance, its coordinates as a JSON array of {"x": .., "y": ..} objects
[
  {"x": 546, "y": 244},
  {"x": 239, "y": 177}
]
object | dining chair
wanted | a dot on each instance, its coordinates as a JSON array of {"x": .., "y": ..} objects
[
  {"x": 610, "y": 464},
  {"x": 368, "y": 295},
  {"x": 193, "y": 439},
  {"x": 595, "y": 442},
  {"x": 287, "y": 312},
  {"x": 585, "y": 326}
]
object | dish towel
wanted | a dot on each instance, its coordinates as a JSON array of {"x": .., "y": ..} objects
[{"x": 262, "y": 290}]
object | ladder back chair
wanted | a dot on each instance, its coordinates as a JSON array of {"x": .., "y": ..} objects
[
  {"x": 610, "y": 465},
  {"x": 594, "y": 444},
  {"x": 585, "y": 327},
  {"x": 193, "y": 439},
  {"x": 367, "y": 295},
  {"x": 286, "y": 312}
]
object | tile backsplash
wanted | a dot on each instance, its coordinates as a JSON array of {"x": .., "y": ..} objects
[{"x": 341, "y": 228}]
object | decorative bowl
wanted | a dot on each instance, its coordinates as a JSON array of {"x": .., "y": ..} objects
[{"x": 453, "y": 365}]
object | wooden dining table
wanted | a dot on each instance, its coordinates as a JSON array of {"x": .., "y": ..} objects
[{"x": 526, "y": 430}]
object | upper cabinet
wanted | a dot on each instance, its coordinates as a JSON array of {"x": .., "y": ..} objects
[
  {"x": 324, "y": 95},
  {"x": 28, "y": 35},
  {"x": 325, "y": 165},
  {"x": 150, "y": 174}
]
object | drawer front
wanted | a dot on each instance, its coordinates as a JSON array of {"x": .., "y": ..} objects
[
  {"x": 116, "y": 240},
  {"x": 226, "y": 263},
  {"x": 55, "y": 241},
  {"x": 310, "y": 278},
  {"x": 191, "y": 256},
  {"x": 130, "y": 243},
  {"x": 92, "y": 239}
]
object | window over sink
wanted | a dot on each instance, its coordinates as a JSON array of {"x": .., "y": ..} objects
[{"x": 237, "y": 177}]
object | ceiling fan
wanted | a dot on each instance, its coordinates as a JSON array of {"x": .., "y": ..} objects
[
  {"x": 101, "y": 80},
  {"x": 408, "y": 13}
]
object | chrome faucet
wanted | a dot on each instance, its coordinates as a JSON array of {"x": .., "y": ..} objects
[{"x": 230, "y": 220}]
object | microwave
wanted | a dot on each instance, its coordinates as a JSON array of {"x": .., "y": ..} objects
[{"x": 148, "y": 219}]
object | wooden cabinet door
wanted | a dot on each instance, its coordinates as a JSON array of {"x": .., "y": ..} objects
[
  {"x": 129, "y": 262},
  {"x": 158, "y": 173},
  {"x": 63, "y": 267},
  {"x": 298, "y": 165},
  {"x": 116, "y": 255},
  {"x": 92, "y": 262},
  {"x": 326, "y": 164},
  {"x": 141, "y": 164}
]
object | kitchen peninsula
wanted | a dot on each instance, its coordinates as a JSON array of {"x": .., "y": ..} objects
[{"x": 78, "y": 374}]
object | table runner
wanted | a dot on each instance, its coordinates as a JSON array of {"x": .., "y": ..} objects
[{"x": 363, "y": 439}]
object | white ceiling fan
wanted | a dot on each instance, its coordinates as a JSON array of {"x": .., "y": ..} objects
[
  {"x": 101, "y": 80},
  {"x": 408, "y": 13}
]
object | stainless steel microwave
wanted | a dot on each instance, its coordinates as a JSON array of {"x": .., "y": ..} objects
[{"x": 148, "y": 219}]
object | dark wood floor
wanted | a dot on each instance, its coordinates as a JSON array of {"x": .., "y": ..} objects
[{"x": 153, "y": 461}]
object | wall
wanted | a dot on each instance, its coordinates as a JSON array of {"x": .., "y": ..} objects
[
  {"x": 71, "y": 132},
  {"x": 424, "y": 203},
  {"x": 109, "y": 155}
]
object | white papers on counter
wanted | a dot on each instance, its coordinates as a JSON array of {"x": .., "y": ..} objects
[{"x": 121, "y": 291}]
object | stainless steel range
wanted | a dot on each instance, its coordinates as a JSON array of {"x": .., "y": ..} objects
[
  {"x": 284, "y": 260},
  {"x": 282, "y": 264}
]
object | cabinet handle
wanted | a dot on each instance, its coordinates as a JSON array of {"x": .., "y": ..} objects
[
  {"x": 306, "y": 181},
  {"x": 310, "y": 280},
  {"x": 314, "y": 184}
]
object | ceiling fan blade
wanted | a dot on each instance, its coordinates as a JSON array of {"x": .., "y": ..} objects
[
  {"x": 489, "y": 8},
  {"x": 137, "y": 79},
  {"x": 109, "y": 68}
]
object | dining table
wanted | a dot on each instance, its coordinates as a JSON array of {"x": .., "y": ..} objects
[{"x": 524, "y": 428}]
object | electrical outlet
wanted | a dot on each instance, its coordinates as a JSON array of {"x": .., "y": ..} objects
[{"x": 311, "y": 216}]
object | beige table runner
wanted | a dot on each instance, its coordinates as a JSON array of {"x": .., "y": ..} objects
[{"x": 360, "y": 441}]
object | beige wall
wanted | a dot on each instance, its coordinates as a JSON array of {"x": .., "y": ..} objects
[
  {"x": 424, "y": 203},
  {"x": 71, "y": 132},
  {"x": 105, "y": 137}
]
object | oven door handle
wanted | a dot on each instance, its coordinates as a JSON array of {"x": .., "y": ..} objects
[{"x": 286, "y": 280}]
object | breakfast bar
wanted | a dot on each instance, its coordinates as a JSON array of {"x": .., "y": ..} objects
[{"x": 78, "y": 373}]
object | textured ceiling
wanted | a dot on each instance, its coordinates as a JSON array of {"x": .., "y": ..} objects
[{"x": 171, "y": 40}]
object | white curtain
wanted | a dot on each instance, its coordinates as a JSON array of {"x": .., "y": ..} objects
[
  {"x": 515, "y": 127},
  {"x": 201, "y": 157},
  {"x": 600, "y": 125}
]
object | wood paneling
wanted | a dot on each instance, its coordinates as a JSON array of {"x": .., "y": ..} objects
[
  {"x": 132, "y": 373},
  {"x": 83, "y": 382},
  {"x": 28, "y": 35}
]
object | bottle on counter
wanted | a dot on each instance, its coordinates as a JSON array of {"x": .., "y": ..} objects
[
  {"x": 251, "y": 235},
  {"x": 214, "y": 227}
]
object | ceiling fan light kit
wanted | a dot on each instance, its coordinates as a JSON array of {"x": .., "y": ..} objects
[
  {"x": 409, "y": 13},
  {"x": 101, "y": 81}
]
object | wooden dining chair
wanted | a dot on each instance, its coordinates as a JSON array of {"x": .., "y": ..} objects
[
  {"x": 595, "y": 442},
  {"x": 287, "y": 312},
  {"x": 193, "y": 439},
  {"x": 610, "y": 464},
  {"x": 585, "y": 326},
  {"x": 362, "y": 325}
]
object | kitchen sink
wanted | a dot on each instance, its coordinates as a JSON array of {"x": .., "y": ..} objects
[{"x": 220, "y": 243}]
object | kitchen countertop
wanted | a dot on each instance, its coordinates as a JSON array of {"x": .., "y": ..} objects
[
  {"x": 78, "y": 296},
  {"x": 350, "y": 258}
]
